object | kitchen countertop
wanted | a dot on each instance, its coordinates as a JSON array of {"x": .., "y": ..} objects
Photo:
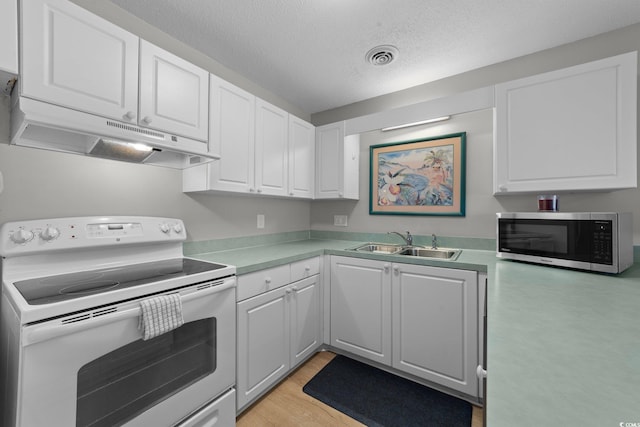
[{"x": 563, "y": 346}]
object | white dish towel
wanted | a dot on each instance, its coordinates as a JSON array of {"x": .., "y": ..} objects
[{"x": 159, "y": 315}]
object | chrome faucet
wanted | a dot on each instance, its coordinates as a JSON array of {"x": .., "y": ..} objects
[
  {"x": 434, "y": 241},
  {"x": 408, "y": 238}
]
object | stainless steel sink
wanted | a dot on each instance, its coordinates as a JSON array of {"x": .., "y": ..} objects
[
  {"x": 418, "y": 251},
  {"x": 379, "y": 248},
  {"x": 443, "y": 253}
]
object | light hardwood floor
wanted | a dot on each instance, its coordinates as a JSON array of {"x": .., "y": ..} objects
[{"x": 288, "y": 405}]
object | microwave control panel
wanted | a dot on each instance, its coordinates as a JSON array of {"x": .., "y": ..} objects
[{"x": 602, "y": 242}]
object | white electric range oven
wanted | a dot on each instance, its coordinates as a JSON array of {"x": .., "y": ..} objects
[{"x": 105, "y": 323}]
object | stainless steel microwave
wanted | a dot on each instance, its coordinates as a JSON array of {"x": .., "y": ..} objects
[{"x": 601, "y": 241}]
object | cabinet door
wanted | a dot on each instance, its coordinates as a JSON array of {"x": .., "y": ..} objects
[
  {"x": 571, "y": 129},
  {"x": 361, "y": 307},
  {"x": 174, "y": 94},
  {"x": 305, "y": 318},
  {"x": 74, "y": 58},
  {"x": 9, "y": 37},
  {"x": 435, "y": 325},
  {"x": 329, "y": 161},
  {"x": 263, "y": 343},
  {"x": 337, "y": 163},
  {"x": 271, "y": 149},
  {"x": 301, "y": 157},
  {"x": 232, "y": 136}
]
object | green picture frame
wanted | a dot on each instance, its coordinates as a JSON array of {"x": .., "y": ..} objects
[{"x": 419, "y": 177}]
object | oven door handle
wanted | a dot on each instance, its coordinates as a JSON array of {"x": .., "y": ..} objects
[{"x": 94, "y": 318}]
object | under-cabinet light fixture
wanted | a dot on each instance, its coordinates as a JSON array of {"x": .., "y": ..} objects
[
  {"x": 122, "y": 150},
  {"x": 423, "y": 122}
]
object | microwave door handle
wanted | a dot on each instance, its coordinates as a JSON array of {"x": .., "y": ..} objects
[{"x": 48, "y": 330}]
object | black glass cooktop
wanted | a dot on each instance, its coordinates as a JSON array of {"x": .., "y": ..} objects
[{"x": 46, "y": 290}]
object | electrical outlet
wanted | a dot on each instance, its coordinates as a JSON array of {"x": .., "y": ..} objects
[
  {"x": 260, "y": 221},
  {"x": 340, "y": 220}
]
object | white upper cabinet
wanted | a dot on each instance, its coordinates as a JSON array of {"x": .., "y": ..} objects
[
  {"x": 76, "y": 59},
  {"x": 337, "y": 163},
  {"x": 568, "y": 130},
  {"x": 232, "y": 136},
  {"x": 271, "y": 149},
  {"x": 174, "y": 94},
  {"x": 301, "y": 157},
  {"x": 264, "y": 150},
  {"x": 9, "y": 37}
]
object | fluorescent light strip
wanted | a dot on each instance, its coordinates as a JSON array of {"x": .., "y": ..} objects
[{"x": 423, "y": 122}]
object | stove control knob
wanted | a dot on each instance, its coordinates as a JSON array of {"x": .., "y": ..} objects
[
  {"x": 21, "y": 236},
  {"x": 177, "y": 228},
  {"x": 164, "y": 227},
  {"x": 49, "y": 233}
]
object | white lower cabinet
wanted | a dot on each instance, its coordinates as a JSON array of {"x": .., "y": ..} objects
[
  {"x": 263, "y": 343},
  {"x": 361, "y": 307},
  {"x": 277, "y": 329},
  {"x": 435, "y": 325},
  {"x": 305, "y": 319},
  {"x": 417, "y": 319}
]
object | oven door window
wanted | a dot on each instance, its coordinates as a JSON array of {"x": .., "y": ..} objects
[
  {"x": 125, "y": 382},
  {"x": 565, "y": 239}
]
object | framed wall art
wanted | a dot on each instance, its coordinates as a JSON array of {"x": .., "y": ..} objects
[{"x": 419, "y": 177}]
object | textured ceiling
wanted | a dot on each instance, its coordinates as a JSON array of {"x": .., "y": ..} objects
[{"x": 312, "y": 52}]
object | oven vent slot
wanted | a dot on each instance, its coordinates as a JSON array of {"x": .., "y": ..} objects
[
  {"x": 86, "y": 316},
  {"x": 135, "y": 129},
  {"x": 104, "y": 311},
  {"x": 80, "y": 318},
  {"x": 208, "y": 285}
]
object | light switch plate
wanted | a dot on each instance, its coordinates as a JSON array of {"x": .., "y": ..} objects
[
  {"x": 340, "y": 220},
  {"x": 260, "y": 221}
]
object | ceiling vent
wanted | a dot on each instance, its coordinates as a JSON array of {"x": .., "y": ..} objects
[{"x": 382, "y": 55}]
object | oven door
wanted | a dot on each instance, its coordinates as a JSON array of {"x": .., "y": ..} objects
[{"x": 93, "y": 368}]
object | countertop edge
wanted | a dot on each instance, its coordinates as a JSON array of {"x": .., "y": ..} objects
[{"x": 251, "y": 259}]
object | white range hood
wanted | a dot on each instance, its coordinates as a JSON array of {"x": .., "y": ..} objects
[{"x": 42, "y": 125}]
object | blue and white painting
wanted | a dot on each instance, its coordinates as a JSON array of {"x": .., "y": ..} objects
[{"x": 417, "y": 177}]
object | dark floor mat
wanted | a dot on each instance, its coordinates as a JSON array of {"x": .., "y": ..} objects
[{"x": 380, "y": 399}]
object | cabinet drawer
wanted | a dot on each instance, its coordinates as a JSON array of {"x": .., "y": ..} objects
[
  {"x": 221, "y": 412},
  {"x": 305, "y": 268},
  {"x": 252, "y": 284}
]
